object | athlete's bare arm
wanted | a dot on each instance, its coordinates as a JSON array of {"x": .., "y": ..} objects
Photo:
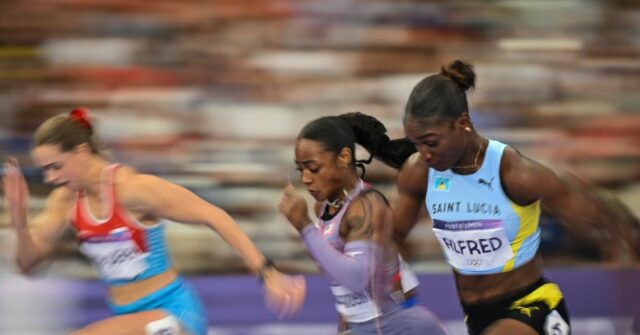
[
  {"x": 38, "y": 237},
  {"x": 412, "y": 183},
  {"x": 578, "y": 207},
  {"x": 370, "y": 218},
  {"x": 155, "y": 196}
]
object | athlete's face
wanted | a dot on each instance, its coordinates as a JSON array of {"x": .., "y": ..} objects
[
  {"x": 60, "y": 168},
  {"x": 321, "y": 171},
  {"x": 440, "y": 143}
]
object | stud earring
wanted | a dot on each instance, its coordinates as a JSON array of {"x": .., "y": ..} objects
[{"x": 467, "y": 129}]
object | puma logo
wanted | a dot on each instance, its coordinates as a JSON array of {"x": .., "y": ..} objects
[{"x": 482, "y": 181}]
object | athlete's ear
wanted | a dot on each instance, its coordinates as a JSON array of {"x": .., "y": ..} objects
[
  {"x": 345, "y": 157},
  {"x": 83, "y": 150},
  {"x": 463, "y": 123}
]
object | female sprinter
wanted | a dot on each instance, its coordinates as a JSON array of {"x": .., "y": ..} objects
[
  {"x": 484, "y": 199},
  {"x": 117, "y": 214},
  {"x": 352, "y": 240}
]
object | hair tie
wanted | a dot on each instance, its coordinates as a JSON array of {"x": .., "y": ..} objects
[{"x": 81, "y": 114}]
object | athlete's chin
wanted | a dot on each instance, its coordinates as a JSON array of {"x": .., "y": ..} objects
[
  {"x": 317, "y": 195},
  {"x": 70, "y": 186},
  {"x": 439, "y": 166}
]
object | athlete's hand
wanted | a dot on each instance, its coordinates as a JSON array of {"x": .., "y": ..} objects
[
  {"x": 16, "y": 192},
  {"x": 283, "y": 294},
  {"x": 294, "y": 207}
]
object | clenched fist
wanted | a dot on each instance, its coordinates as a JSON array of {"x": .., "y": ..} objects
[
  {"x": 294, "y": 207},
  {"x": 283, "y": 294}
]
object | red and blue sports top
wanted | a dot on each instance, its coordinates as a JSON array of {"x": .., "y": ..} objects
[{"x": 123, "y": 249}]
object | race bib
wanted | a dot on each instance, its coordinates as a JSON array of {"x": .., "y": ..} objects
[
  {"x": 474, "y": 245},
  {"x": 116, "y": 259},
  {"x": 354, "y": 307}
]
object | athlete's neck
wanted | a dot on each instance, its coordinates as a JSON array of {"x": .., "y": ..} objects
[
  {"x": 341, "y": 195},
  {"x": 471, "y": 159},
  {"x": 91, "y": 182}
]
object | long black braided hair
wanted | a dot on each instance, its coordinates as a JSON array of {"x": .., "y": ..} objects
[{"x": 337, "y": 132}]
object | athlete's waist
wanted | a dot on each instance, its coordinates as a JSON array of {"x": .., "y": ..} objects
[
  {"x": 510, "y": 265},
  {"x": 127, "y": 293},
  {"x": 477, "y": 288}
]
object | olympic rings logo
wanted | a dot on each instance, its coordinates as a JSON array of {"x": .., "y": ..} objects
[{"x": 474, "y": 262}]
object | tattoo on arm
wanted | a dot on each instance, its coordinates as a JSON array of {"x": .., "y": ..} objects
[
  {"x": 359, "y": 228},
  {"x": 371, "y": 217}
]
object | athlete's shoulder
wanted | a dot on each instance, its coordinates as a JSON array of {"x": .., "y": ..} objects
[
  {"x": 128, "y": 177},
  {"x": 522, "y": 177},
  {"x": 131, "y": 185},
  {"x": 124, "y": 172},
  {"x": 516, "y": 164},
  {"x": 413, "y": 175},
  {"x": 369, "y": 216},
  {"x": 414, "y": 161}
]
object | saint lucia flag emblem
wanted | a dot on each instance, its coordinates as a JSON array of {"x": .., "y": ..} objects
[{"x": 441, "y": 184}]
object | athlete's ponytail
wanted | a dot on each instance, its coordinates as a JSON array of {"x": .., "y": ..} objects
[
  {"x": 372, "y": 135},
  {"x": 337, "y": 132}
]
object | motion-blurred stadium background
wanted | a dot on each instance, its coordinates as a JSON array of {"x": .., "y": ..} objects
[{"x": 210, "y": 94}]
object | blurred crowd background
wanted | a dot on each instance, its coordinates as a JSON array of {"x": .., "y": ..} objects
[{"x": 211, "y": 94}]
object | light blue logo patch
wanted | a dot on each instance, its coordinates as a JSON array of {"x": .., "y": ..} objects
[{"x": 441, "y": 184}]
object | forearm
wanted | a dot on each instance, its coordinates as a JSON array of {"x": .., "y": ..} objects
[
  {"x": 28, "y": 252},
  {"x": 623, "y": 224},
  {"x": 591, "y": 213},
  {"x": 352, "y": 269},
  {"x": 229, "y": 230}
]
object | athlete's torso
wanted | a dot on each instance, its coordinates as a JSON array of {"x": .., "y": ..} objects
[
  {"x": 479, "y": 228},
  {"x": 124, "y": 250},
  {"x": 358, "y": 306}
]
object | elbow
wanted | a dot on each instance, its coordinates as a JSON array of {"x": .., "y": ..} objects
[{"x": 23, "y": 267}]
